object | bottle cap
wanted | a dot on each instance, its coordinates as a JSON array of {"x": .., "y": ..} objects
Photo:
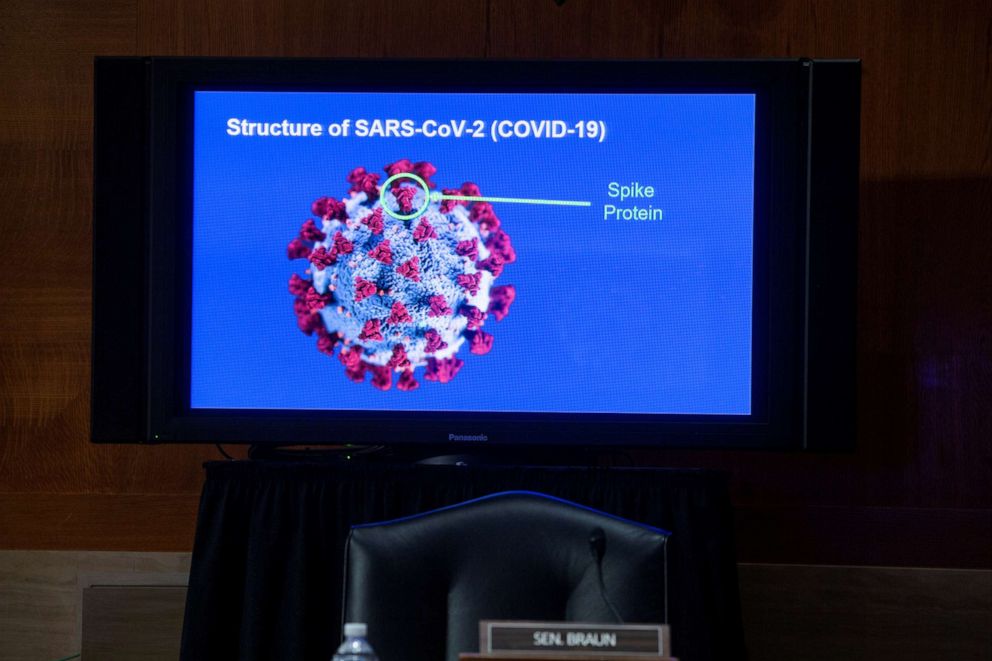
[{"x": 355, "y": 630}]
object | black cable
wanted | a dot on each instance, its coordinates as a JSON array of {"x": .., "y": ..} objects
[
  {"x": 597, "y": 546},
  {"x": 606, "y": 597},
  {"x": 220, "y": 448},
  {"x": 333, "y": 453}
]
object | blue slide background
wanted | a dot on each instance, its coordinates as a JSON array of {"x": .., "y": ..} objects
[{"x": 610, "y": 316}]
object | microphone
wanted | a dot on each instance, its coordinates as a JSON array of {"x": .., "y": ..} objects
[{"x": 597, "y": 546}]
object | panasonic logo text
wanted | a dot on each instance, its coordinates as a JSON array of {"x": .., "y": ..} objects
[{"x": 470, "y": 437}]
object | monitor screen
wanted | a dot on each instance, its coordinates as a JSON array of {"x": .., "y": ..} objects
[{"x": 473, "y": 252}]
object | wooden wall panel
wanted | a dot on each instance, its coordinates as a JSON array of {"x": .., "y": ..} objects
[
  {"x": 57, "y": 490},
  {"x": 133, "y": 622},
  {"x": 866, "y": 613},
  {"x": 925, "y": 434},
  {"x": 41, "y": 596},
  {"x": 312, "y": 28}
]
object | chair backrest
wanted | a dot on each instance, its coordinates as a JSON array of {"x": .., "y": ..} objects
[{"x": 422, "y": 583}]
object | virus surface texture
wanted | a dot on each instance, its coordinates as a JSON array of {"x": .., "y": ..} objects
[{"x": 400, "y": 277}]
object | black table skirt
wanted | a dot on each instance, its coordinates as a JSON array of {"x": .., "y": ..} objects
[{"x": 267, "y": 566}]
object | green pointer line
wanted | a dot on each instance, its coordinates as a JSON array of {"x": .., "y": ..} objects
[{"x": 511, "y": 200}]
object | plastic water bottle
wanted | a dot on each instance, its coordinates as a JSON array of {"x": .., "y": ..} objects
[{"x": 355, "y": 647}]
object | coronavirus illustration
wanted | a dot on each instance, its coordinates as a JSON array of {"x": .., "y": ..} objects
[{"x": 400, "y": 276}]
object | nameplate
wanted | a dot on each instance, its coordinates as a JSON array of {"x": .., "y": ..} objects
[{"x": 649, "y": 640}]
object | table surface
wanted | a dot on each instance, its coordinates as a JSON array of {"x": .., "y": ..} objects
[{"x": 508, "y": 656}]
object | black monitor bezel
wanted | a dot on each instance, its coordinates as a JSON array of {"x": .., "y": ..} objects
[{"x": 778, "y": 296}]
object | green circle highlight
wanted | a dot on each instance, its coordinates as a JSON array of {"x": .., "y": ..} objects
[{"x": 410, "y": 216}]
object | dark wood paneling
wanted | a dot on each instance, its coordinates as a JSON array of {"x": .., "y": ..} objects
[
  {"x": 866, "y": 613},
  {"x": 861, "y": 534},
  {"x": 313, "y": 28},
  {"x": 132, "y": 622},
  {"x": 925, "y": 436},
  {"x": 45, "y": 258},
  {"x": 106, "y": 522}
]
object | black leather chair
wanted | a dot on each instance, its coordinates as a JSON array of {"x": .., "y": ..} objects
[{"x": 422, "y": 583}]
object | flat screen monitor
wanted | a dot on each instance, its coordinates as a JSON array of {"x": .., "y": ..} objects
[{"x": 612, "y": 254}]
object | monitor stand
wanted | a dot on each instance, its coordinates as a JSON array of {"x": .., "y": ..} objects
[{"x": 427, "y": 456}]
